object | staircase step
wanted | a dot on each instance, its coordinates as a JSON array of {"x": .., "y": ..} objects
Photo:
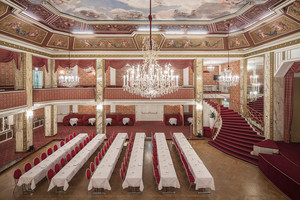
[
  {"x": 251, "y": 134},
  {"x": 226, "y": 120},
  {"x": 232, "y": 145},
  {"x": 250, "y": 146},
  {"x": 235, "y": 124},
  {"x": 237, "y": 128},
  {"x": 250, "y": 160},
  {"x": 242, "y": 138}
]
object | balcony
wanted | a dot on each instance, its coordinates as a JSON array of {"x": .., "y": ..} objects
[
  {"x": 12, "y": 99},
  {"x": 118, "y": 93},
  {"x": 55, "y": 94}
]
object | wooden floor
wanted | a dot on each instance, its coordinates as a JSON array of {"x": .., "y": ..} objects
[{"x": 234, "y": 179}]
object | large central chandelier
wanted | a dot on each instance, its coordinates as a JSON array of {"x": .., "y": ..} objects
[
  {"x": 226, "y": 78},
  {"x": 149, "y": 79}
]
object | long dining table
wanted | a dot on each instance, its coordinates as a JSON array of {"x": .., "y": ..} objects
[
  {"x": 102, "y": 174},
  {"x": 168, "y": 177},
  {"x": 134, "y": 175},
  {"x": 65, "y": 175},
  {"x": 203, "y": 178},
  {"x": 38, "y": 172}
]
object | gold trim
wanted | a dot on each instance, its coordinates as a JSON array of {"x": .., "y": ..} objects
[{"x": 271, "y": 94}]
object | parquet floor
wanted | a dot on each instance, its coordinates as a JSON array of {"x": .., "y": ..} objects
[{"x": 234, "y": 179}]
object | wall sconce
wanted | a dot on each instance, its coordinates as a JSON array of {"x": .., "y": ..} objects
[
  {"x": 99, "y": 107},
  {"x": 199, "y": 106},
  {"x": 29, "y": 113},
  {"x": 61, "y": 72},
  {"x": 36, "y": 69}
]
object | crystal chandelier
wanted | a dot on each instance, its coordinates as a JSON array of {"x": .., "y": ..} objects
[
  {"x": 226, "y": 78},
  {"x": 149, "y": 79},
  {"x": 68, "y": 79},
  {"x": 254, "y": 87}
]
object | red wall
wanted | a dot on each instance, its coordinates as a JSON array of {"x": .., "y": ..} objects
[
  {"x": 125, "y": 109},
  {"x": 208, "y": 78},
  {"x": 38, "y": 113},
  {"x": 171, "y": 109},
  {"x": 7, "y": 74},
  {"x": 89, "y": 109},
  {"x": 12, "y": 99}
]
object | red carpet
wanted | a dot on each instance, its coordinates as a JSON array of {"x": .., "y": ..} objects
[
  {"x": 236, "y": 137},
  {"x": 257, "y": 105},
  {"x": 290, "y": 151},
  {"x": 8, "y": 155}
]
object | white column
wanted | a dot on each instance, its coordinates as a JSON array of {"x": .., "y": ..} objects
[
  {"x": 186, "y": 76},
  {"x": 112, "y": 76}
]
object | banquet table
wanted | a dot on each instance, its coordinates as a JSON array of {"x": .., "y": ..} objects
[
  {"x": 108, "y": 121},
  {"x": 65, "y": 175},
  {"x": 190, "y": 120},
  {"x": 135, "y": 167},
  {"x": 203, "y": 179},
  {"x": 38, "y": 172},
  {"x": 168, "y": 177},
  {"x": 101, "y": 176}
]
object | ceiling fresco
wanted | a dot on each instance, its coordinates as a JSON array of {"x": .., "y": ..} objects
[{"x": 139, "y": 9}]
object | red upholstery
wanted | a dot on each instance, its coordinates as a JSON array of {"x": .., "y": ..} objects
[
  {"x": 55, "y": 147},
  {"x": 68, "y": 157},
  {"x": 62, "y": 143},
  {"x": 99, "y": 156},
  {"x": 84, "y": 142},
  {"x": 117, "y": 119},
  {"x": 27, "y": 167},
  {"x": 43, "y": 156},
  {"x": 122, "y": 174},
  {"x": 50, "y": 174},
  {"x": 56, "y": 168},
  {"x": 67, "y": 140},
  {"x": 88, "y": 174},
  {"x": 96, "y": 160},
  {"x": 71, "y": 137},
  {"x": 62, "y": 162},
  {"x": 74, "y": 134},
  {"x": 81, "y": 146},
  {"x": 92, "y": 166},
  {"x": 36, "y": 161},
  {"x": 17, "y": 174},
  {"x": 76, "y": 150},
  {"x": 177, "y": 116},
  {"x": 73, "y": 153},
  {"x": 49, "y": 151}
]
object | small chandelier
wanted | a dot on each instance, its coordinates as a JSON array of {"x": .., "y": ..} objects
[
  {"x": 68, "y": 79},
  {"x": 226, "y": 78},
  {"x": 150, "y": 80},
  {"x": 254, "y": 93}
]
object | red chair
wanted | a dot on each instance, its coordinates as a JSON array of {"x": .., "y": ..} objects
[
  {"x": 88, "y": 174},
  {"x": 90, "y": 137},
  {"x": 84, "y": 142},
  {"x": 99, "y": 156},
  {"x": 68, "y": 157},
  {"x": 96, "y": 161},
  {"x": 62, "y": 143},
  {"x": 43, "y": 156},
  {"x": 81, "y": 146},
  {"x": 55, "y": 148},
  {"x": 122, "y": 174},
  {"x": 125, "y": 161},
  {"x": 74, "y": 135},
  {"x": 27, "y": 167},
  {"x": 17, "y": 175},
  {"x": 67, "y": 140},
  {"x": 76, "y": 150},
  {"x": 56, "y": 168},
  {"x": 62, "y": 162},
  {"x": 71, "y": 137},
  {"x": 92, "y": 166},
  {"x": 94, "y": 135},
  {"x": 105, "y": 148},
  {"x": 124, "y": 168},
  {"x": 73, "y": 153},
  {"x": 36, "y": 161},
  {"x": 49, "y": 151},
  {"x": 50, "y": 174},
  {"x": 102, "y": 151},
  {"x": 87, "y": 140}
]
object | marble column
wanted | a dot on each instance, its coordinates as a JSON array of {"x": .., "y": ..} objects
[
  {"x": 278, "y": 111},
  {"x": 198, "y": 108},
  {"x": 243, "y": 86},
  {"x": 47, "y": 75},
  {"x": 50, "y": 117},
  {"x": 268, "y": 95},
  {"x": 18, "y": 130},
  {"x": 19, "y": 76},
  {"x": 53, "y": 74},
  {"x": 99, "y": 97},
  {"x": 24, "y": 142}
]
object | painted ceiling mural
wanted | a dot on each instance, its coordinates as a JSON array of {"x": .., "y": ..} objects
[
  {"x": 294, "y": 10},
  {"x": 58, "y": 41},
  {"x": 104, "y": 43},
  {"x": 194, "y": 43},
  {"x": 3, "y": 8}
]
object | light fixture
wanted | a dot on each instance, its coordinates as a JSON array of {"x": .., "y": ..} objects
[
  {"x": 254, "y": 93},
  {"x": 150, "y": 80},
  {"x": 226, "y": 78},
  {"x": 68, "y": 79},
  {"x": 29, "y": 113}
]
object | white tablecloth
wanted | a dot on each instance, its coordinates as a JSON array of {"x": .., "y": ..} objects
[
  {"x": 203, "y": 179},
  {"x": 173, "y": 121},
  {"x": 73, "y": 121},
  {"x": 190, "y": 120},
  {"x": 168, "y": 177},
  {"x": 65, "y": 175},
  {"x": 92, "y": 121},
  {"x": 101, "y": 176},
  {"x": 135, "y": 167},
  {"x": 108, "y": 121},
  {"x": 38, "y": 172},
  {"x": 125, "y": 120}
]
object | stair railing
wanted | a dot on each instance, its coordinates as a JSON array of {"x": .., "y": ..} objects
[
  {"x": 215, "y": 129},
  {"x": 254, "y": 118}
]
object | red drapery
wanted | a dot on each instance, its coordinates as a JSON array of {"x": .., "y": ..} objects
[
  {"x": 179, "y": 64},
  {"x": 39, "y": 62},
  {"x": 7, "y": 56},
  {"x": 289, "y": 100},
  {"x": 73, "y": 63}
]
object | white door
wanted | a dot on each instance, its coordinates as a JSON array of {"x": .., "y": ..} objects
[{"x": 149, "y": 112}]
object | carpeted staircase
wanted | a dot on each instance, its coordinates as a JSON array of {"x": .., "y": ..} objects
[
  {"x": 236, "y": 137},
  {"x": 257, "y": 105}
]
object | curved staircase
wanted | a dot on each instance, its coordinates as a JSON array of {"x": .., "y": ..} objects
[
  {"x": 257, "y": 105},
  {"x": 236, "y": 137}
]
